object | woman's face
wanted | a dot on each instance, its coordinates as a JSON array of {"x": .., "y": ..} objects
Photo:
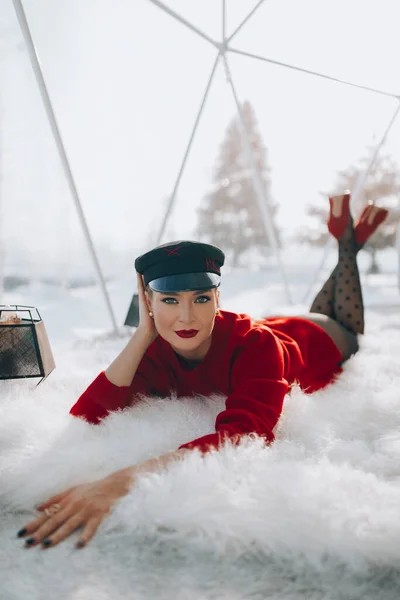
[{"x": 183, "y": 311}]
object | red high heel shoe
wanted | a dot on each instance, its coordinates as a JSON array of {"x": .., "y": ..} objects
[
  {"x": 368, "y": 223},
  {"x": 338, "y": 222}
]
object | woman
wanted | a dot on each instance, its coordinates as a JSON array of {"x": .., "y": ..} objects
[{"x": 186, "y": 344}]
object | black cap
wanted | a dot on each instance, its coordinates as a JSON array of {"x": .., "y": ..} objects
[{"x": 181, "y": 266}]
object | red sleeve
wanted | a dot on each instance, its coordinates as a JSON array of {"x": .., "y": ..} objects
[
  {"x": 258, "y": 390},
  {"x": 102, "y": 396}
]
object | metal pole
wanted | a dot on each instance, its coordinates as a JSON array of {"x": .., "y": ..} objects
[
  {"x": 6, "y": 34},
  {"x": 358, "y": 187},
  {"x": 262, "y": 201},
  {"x": 23, "y": 23},
  {"x": 308, "y": 72},
  {"x": 178, "y": 17},
  {"x": 251, "y": 13},
  {"x": 223, "y": 22},
  {"x": 186, "y": 155}
]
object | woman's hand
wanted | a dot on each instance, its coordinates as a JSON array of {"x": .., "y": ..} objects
[
  {"x": 83, "y": 506},
  {"x": 146, "y": 323},
  {"x": 86, "y": 505}
]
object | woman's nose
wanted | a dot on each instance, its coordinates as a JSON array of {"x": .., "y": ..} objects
[{"x": 186, "y": 313}]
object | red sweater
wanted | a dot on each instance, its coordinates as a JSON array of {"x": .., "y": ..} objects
[{"x": 252, "y": 362}]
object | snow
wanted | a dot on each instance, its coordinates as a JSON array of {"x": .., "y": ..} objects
[{"x": 316, "y": 515}]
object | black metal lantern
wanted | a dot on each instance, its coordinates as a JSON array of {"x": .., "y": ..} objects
[{"x": 25, "y": 350}]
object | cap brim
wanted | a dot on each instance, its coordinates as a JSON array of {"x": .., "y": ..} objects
[{"x": 185, "y": 282}]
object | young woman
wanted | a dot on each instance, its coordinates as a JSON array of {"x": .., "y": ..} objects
[{"x": 186, "y": 344}]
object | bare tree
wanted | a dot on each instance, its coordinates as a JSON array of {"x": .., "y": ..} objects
[{"x": 382, "y": 188}]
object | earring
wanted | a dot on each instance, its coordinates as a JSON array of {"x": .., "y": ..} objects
[{"x": 151, "y": 314}]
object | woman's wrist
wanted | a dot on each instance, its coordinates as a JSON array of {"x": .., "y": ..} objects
[
  {"x": 150, "y": 465},
  {"x": 159, "y": 462},
  {"x": 120, "y": 481}
]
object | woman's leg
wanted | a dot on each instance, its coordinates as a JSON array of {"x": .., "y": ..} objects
[
  {"x": 340, "y": 298},
  {"x": 345, "y": 340}
]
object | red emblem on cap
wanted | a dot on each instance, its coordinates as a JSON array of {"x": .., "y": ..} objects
[
  {"x": 173, "y": 251},
  {"x": 210, "y": 264}
]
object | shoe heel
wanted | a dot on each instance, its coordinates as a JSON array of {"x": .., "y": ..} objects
[
  {"x": 363, "y": 229},
  {"x": 337, "y": 223}
]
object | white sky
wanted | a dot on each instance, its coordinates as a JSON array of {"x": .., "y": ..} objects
[{"x": 126, "y": 81}]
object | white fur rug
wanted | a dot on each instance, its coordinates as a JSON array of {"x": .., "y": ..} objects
[{"x": 316, "y": 515}]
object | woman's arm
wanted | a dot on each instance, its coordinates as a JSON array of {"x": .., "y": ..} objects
[
  {"x": 152, "y": 464},
  {"x": 122, "y": 370},
  {"x": 111, "y": 389},
  {"x": 258, "y": 388},
  {"x": 86, "y": 506}
]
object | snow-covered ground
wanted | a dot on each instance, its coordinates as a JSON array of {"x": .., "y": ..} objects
[{"x": 314, "y": 516}]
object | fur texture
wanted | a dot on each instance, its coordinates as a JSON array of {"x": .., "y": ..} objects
[{"x": 316, "y": 515}]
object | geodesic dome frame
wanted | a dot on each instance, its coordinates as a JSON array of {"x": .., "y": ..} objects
[{"x": 223, "y": 48}]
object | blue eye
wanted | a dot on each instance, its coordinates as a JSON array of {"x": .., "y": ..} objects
[{"x": 206, "y": 297}]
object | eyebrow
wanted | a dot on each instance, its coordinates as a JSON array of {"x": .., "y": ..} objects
[{"x": 179, "y": 293}]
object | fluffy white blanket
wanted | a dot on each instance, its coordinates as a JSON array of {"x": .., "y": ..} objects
[{"x": 316, "y": 515}]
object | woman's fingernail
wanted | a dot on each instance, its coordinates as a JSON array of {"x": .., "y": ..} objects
[
  {"x": 46, "y": 542},
  {"x": 30, "y": 541},
  {"x": 80, "y": 544},
  {"x": 21, "y": 532}
]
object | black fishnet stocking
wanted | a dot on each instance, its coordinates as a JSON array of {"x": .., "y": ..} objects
[{"x": 341, "y": 297}]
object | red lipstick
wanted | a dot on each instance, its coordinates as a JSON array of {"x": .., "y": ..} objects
[{"x": 188, "y": 333}]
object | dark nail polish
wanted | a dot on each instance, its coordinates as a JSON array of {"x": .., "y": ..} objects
[
  {"x": 30, "y": 541},
  {"x": 21, "y": 532},
  {"x": 80, "y": 544},
  {"x": 46, "y": 542}
]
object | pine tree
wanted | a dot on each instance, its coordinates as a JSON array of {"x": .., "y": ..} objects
[
  {"x": 382, "y": 187},
  {"x": 230, "y": 216}
]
